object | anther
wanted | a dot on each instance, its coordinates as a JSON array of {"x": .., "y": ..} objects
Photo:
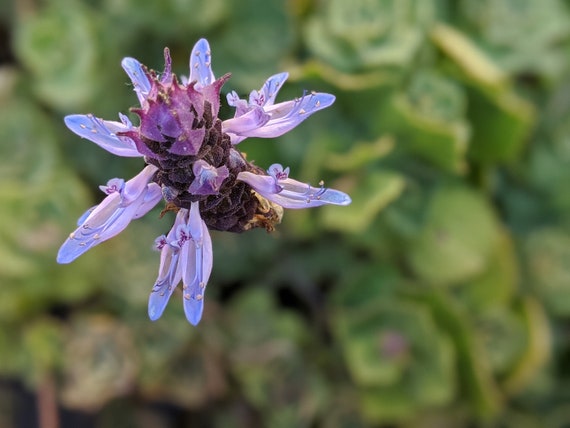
[{"x": 187, "y": 296}]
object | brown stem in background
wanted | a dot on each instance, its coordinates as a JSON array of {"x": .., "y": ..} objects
[{"x": 47, "y": 403}]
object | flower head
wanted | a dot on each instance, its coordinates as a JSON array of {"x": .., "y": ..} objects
[{"x": 192, "y": 164}]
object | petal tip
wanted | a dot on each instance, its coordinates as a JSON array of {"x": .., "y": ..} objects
[{"x": 193, "y": 310}]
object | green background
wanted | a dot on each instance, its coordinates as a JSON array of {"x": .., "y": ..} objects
[{"x": 439, "y": 298}]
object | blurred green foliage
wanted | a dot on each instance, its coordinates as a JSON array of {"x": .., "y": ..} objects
[{"x": 440, "y": 297}]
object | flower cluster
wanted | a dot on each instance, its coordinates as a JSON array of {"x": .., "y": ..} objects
[{"x": 192, "y": 164}]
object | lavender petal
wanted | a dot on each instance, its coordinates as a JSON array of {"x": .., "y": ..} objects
[
  {"x": 201, "y": 64},
  {"x": 103, "y": 133},
  {"x": 137, "y": 74},
  {"x": 293, "y": 194}
]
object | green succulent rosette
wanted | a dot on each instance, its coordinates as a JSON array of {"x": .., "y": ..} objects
[
  {"x": 269, "y": 364},
  {"x": 100, "y": 362},
  {"x": 62, "y": 45},
  {"x": 169, "y": 18},
  {"x": 429, "y": 117},
  {"x": 542, "y": 24},
  {"x": 363, "y": 35},
  {"x": 397, "y": 356}
]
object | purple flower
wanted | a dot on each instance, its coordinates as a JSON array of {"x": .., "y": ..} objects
[{"x": 192, "y": 164}]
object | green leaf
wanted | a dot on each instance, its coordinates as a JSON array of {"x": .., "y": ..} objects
[
  {"x": 430, "y": 118},
  {"x": 537, "y": 351},
  {"x": 547, "y": 253},
  {"x": 498, "y": 284},
  {"x": 479, "y": 385},
  {"x": 502, "y": 122},
  {"x": 360, "y": 155},
  {"x": 370, "y": 194},
  {"x": 471, "y": 60},
  {"x": 457, "y": 238}
]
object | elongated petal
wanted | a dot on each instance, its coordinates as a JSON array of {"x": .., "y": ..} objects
[
  {"x": 287, "y": 115},
  {"x": 247, "y": 123},
  {"x": 109, "y": 218},
  {"x": 169, "y": 272},
  {"x": 152, "y": 197},
  {"x": 198, "y": 268},
  {"x": 103, "y": 133},
  {"x": 282, "y": 117},
  {"x": 293, "y": 194},
  {"x": 137, "y": 185},
  {"x": 201, "y": 64},
  {"x": 137, "y": 74},
  {"x": 106, "y": 221}
]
